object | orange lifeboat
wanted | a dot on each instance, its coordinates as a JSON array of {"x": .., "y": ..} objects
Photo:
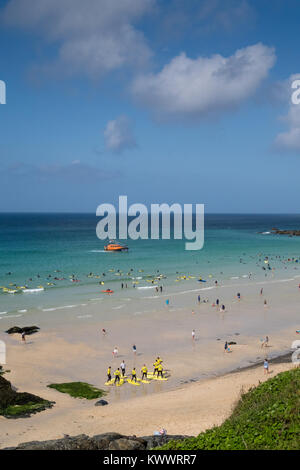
[
  {"x": 112, "y": 246},
  {"x": 108, "y": 291}
]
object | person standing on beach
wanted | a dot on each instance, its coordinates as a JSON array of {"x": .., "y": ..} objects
[
  {"x": 199, "y": 299},
  {"x": 265, "y": 342},
  {"x": 117, "y": 375},
  {"x": 266, "y": 366},
  {"x": 23, "y": 337},
  {"x": 167, "y": 302},
  {"x": 133, "y": 374},
  {"x": 144, "y": 372},
  {"x": 109, "y": 374},
  {"x": 160, "y": 370},
  {"x": 226, "y": 347},
  {"x": 261, "y": 291},
  {"x": 123, "y": 366},
  {"x": 193, "y": 335},
  {"x": 134, "y": 349}
]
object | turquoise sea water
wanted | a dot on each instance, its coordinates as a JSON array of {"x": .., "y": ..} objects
[{"x": 35, "y": 248}]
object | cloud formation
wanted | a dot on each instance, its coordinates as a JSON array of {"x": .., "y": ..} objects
[
  {"x": 289, "y": 140},
  {"x": 118, "y": 135},
  {"x": 94, "y": 37},
  {"x": 199, "y": 87}
]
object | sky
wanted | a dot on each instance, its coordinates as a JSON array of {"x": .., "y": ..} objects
[{"x": 165, "y": 101}]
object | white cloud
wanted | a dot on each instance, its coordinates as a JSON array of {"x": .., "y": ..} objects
[
  {"x": 94, "y": 36},
  {"x": 198, "y": 87},
  {"x": 118, "y": 134},
  {"x": 290, "y": 139}
]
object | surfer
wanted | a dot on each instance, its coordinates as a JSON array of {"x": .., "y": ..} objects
[
  {"x": 160, "y": 371},
  {"x": 144, "y": 372},
  {"x": 133, "y": 375},
  {"x": 117, "y": 375}
]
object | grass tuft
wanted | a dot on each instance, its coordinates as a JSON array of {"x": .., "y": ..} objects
[
  {"x": 266, "y": 417},
  {"x": 79, "y": 390}
]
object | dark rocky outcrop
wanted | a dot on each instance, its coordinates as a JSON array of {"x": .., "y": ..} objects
[
  {"x": 292, "y": 233},
  {"x": 108, "y": 441},
  {"x": 28, "y": 330},
  {"x": 14, "y": 404},
  {"x": 101, "y": 403}
]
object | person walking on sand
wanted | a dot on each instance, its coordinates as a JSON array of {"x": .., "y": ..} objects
[
  {"x": 226, "y": 347},
  {"x": 23, "y": 337},
  {"x": 265, "y": 342},
  {"x": 167, "y": 302},
  {"x": 199, "y": 299},
  {"x": 261, "y": 291},
  {"x": 266, "y": 366},
  {"x": 104, "y": 331},
  {"x": 115, "y": 351},
  {"x": 134, "y": 349},
  {"x": 193, "y": 335},
  {"x": 265, "y": 303}
]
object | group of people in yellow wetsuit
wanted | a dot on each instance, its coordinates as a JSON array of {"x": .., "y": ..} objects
[{"x": 158, "y": 370}]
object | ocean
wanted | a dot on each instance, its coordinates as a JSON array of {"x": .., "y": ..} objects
[{"x": 36, "y": 248}]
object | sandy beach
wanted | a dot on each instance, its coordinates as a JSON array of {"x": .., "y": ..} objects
[{"x": 200, "y": 391}]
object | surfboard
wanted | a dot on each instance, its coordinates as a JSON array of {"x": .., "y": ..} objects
[{"x": 132, "y": 382}]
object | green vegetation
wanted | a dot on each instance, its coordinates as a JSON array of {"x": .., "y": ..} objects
[
  {"x": 79, "y": 390},
  {"x": 267, "y": 417},
  {"x": 16, "y": 411}
]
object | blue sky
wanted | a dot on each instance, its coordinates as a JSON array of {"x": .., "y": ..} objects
[{"x": 162, "y": 101}]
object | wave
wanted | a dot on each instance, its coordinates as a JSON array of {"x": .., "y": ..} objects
[
  {"x": 146, "y": 287},
  {"x": 59, "y": 308}
]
